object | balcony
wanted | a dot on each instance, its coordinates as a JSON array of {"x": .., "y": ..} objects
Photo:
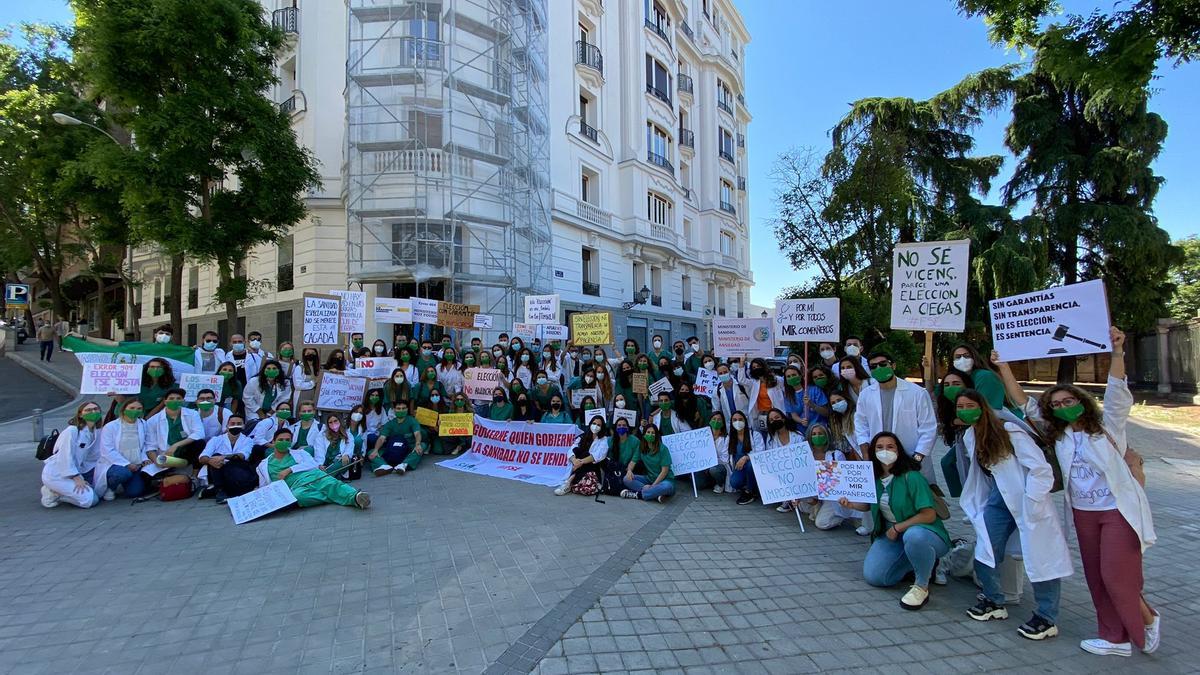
[
  {"x": 589, "y": 132},
  {"x": 658, "y": 160},
  {"x": 687, "y": 30},
  {"x": 724, "y": 105},
  {"x": 291, "y": 106},
  {"x": 685, "y": 85},
  {"x": 664, "y": 96},
  {"x": 742, "y": 183},
  {"x": 686, "y": 305},
  {"x": 660, "y": 29},
  {"x": 687, "y": 139},
  {"x": 286, "y": 20},
  {"x": 741, "y": 140},
  {"x": 662, "y": 233},
  {"x": 591, "y": 289},
  {"x": 727, "y": 156},
  {"x": 656, "y": 300},
  {"x": 741, "y": 100},
  {"x": 727, "y": 207},
  {"x": 589, "y": 55},
  {"x": 577, "y": 208}
]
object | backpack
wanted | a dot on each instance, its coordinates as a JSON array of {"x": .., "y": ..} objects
[
  {"x": 45, "y": 447},
  {"x": 175, "y": 488}
]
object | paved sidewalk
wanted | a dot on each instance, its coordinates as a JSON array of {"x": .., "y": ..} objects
[{"x": 63, "y": 370}]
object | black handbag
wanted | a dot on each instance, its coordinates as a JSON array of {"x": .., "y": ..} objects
[{"x": 45, "y": 447}]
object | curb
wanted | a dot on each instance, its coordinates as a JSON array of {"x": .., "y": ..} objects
[{"x": 68, "y": 387}]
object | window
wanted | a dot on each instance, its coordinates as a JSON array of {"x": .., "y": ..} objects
[
  {"x": 283, "y": 326},
  {"x": 425, "y": 128},
  {"x": 705, "y": 7},
  {"x": 584, "y": 193},
  {"x": 689, "y": 234},
  {"x": 658, "y": 209},
  {"x": 727, "y": 196},
  {"x": 193, "y": 296},
  {"x": 191, "y": 334},
  {"x": 657, "y": 19},
  {"x": 587, "y": 115},
  {"x": 635, "y": 329},
  {"x": 685, "y": 178},
  {"x": 724, "y": 97},
  {"x": 584, "y": 110},
  {"x": 658, "y": 147},
  {"x": 685, "y": 293},
  {"x": 167, "y": 298},
  {"x": 740, "y": 306},
  {"x": 728, "y": 243},
  {"x": 284, "y": 277},
  {"x": 589, "y": 186},
  {"x": 656, "y": 286},
  {"x": 725, "y": 143},
  {"x": 689, "y": 329},
  {"x": 583, "y": 35},
  {"x": 639, "y": 278},
  {"x": 590, "y": 268},
  {"x": 658, "y": 79},
  {"x": 423, "y": 46}
]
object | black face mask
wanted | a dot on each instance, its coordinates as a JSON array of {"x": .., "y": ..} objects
[
  {"x": 775, "y": 425},
  {"x": 555, "y": 406},
  {"x": 679, "y": 351},
  {"x": 756, "y": 372},
  {"x": 236, "y": 431}
]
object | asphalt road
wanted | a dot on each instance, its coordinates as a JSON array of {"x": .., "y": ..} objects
[{"x": 21, "y": 391}]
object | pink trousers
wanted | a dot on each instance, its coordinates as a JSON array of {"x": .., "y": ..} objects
[{"x": 1112, "y": 564}]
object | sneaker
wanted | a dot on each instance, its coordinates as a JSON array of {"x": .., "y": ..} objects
[
  {"x": 208, "y": 492},
  {"x": 109, "y": 495},
  {"x": 401, "y": 469},
  {"x": 383, "y": 470},
  {"x": 939, "y": 574},
  {"x": 1037, "y": 628},
  {"x": 628, "y": 494},
  {"x": 862, "y": 530},
  {"x": 915, "y": 598},
  {"x": 718, "y": 490},
  {"x": 784, "y": 507},
  {"x": 1153, "y": 636},
  {"x": 1106, "y": 648},
  {"x": 221, "y": 497},
  {"x": 362, "y": 500},
  {"x": 745, "y": 498},
  {"x": 661, "y": 499},
  {"x": 561, "y": 490},
  {"x": 50, "y": 498},
  {"x": 986, "y": 610}
]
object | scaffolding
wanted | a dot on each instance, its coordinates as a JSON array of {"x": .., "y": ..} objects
[{"x": 447, "y": 177}]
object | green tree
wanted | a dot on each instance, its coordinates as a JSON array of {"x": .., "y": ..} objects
[
  {"x": 1186, "y": 276},
  {"x": 216, "y": 169}
]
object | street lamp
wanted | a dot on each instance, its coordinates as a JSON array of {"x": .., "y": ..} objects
[
  {"x": 639, "y": 298},
  {"x": 68, "y": 121},
  {"x": 764, "y": 314}
]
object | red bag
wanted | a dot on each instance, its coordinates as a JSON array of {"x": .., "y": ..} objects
[
  {"x": 588, "y": 485},
  {"x": 175, "y": 488}
]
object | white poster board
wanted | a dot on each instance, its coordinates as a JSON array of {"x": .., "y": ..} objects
[
  {"x": 929, "y": 285},
  {"x": 737, "y": 337},
  {"x": 373, "y": 366},
  {"x": 321, "y": 324},
  {"x": 627, "y": 414},
  {"x": 526, "y": 331},
  {"x": 541, "y": 309},
  {"x": 478, "y": 383},
  {"x": 808, "y": 320},
  {"x": 1062, "y": 321},
  {"x": 424, "y": 311},
  {"x": 483, "y": 321},
  {"x": 691, "y": 451},
  {"x": 552, "y": 333},
  {"x": 393, "y": 310},
  {"x": 260, "y": 502},
  {"x": 593, "y": 413},
  {"x": 853, "y": 480},
  {"x": 577, "y": 396},
  {"x": 706, "y": 383},
  {"x": 353, "y": 317},
  {"x": 120, "y": 378},
  {"x": 340, "y": 392},
  {"x": 661, "y": 385},
  {"x": 785, "y": 473},
  {"x": 192, "y": 383}
]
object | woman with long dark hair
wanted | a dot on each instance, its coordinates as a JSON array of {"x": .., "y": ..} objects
[
  {"x": 658, "y": 482},
  {"x": 588, "y": 460},
  {"x": 742, "y": 441},
  {"x": 765, "y": 391}
]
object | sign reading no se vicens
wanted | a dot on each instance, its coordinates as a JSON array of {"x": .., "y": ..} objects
[{"x": 929, "y": 286}]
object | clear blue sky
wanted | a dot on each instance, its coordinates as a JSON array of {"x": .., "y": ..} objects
[{"x": 808, "y": 60}]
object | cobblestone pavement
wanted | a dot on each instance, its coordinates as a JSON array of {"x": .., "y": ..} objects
[{"x": 450, "y": 572}]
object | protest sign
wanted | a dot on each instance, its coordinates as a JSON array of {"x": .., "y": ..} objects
[
  {"x": 577, "y": 396},
  {"x": 340, "y": 392},
  {"x": 192, "y": 383},
  {"x": 393, "y": 310},
  {"x": 691, "y": 451},
  {"x": 424, "y": 311},
  {"x": 591, "y": 329},
  {"x": 321, "y": 322},
  {"x": 627, "y": 414},
  {"x": 182, "y": 359},
  {"x": 457, "y": 424},
  {"x": 427, "y": 418},
  {"x": 373, "y": 366},
  {"x": 483, "y": 321},
  {"x": 529, "y": 452},
  {"x": 541, "y": 309},
  {"x": 785, "y": 473},
  {"x": 260, "y": 502},
  {"x": 808, "y": 320},
  {"x": 853, "y": 480},
  {"x": 736, "y": 337},
  {"x": 554, "y": 333},
  {"x": 478, "y": 383},
  {"x": 119, "y": 378},
  {"x": 1062, "y": 321},
  {"x": 353, "y": 317},
  {"x": 454, "y": 315},
  {"x": 929, "y": 286},
  {"x": 526, "y": 331},
  {"x": 661, "y": 386},
  {"x": 706, "y": 383},
  {"x": 593, "y": 413},
  {"x": 640, "y": 382}
]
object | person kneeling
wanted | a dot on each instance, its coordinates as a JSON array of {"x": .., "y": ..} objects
[
  {"x": 308, "y": 483},
  {"x": 659, "y": 482},
  {"x": 226, "y": 459}
]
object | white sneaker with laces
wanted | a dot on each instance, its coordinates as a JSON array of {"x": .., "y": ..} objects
[
  {"x": 939, "y": 576},
  {"x": 915, "y": 598},
  {"x": 862, "y": 530},
  {"x": 628, "y": 494},
  {"x": 401, "y": 469},
  {"x": 1153, "y": 636},
  {"x": 718, "y": 490},
  {"x": 1105, "y": 648},
  {"x": 561, "y": 490},
  {"x": 49, "y": 497},
  {"x": 109, "y": 495}
]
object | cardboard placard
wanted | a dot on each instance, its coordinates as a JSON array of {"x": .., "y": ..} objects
[
  {"x": 555, "y": 333},
  {"x": 483, "y": 321},
  {"x": 628, "y": 414},
  {"x": 929, "y": 285},
  {"x": 1062, "y": 321},
  {"x": 373, "y": 366},
  {"x": 640, "y": 383},
  {"x": 427, "y": 418},
  {"x": 589, "y": 415},
  {"x": 457, "y": 424},
  {"x": 526, "y": 331},
  {"x": 454, "y": 315},
  {"x": 260, "y": 502},
  {"x": 706, "y": 383},
  {"x": 424, "y": 311},
  {"x": 353, "y": 318},
  {"x": 691, "y": 451},
  {"x": 478, "y": 383},
  {"x": 591, "y": 329},
  {"x": 340, "y": 392},
  {"x": 853, "y": 480},
  {"x": 736, "y": 337},
  {"x": 808, "y": 320},
  {"x": 120, "y": 378},
  {"x": 393, "y": 310},
  {"x": 192, "y": 383},
  {"x": 660, "y": 386},
  {"x": 541, "y": 309},
  {"x": 321, "y": 319},
  {"x": 789, "y": 472}
]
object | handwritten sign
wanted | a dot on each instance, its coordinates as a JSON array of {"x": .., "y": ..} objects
[
  {"x": 483, "y": 321},
  {"x": 628, "y": 414},
  {"x": 192, "y": 383},
  {"x": 454, "y": 315},
  {"x": 393, "y": 310},
  {"x": 691, "y": 451},
  {"x": 735, "y": 337},
  {"x": 640, "y": 383},
  {"x": 789, "y": 472},
  {"x": 661, "y": 386},
  {"x": 526, "y": 331},
  {"x": 929, "y": 285},
  {"x": 577, "y": 396},
  {"x": 555, "y": 333},
  {"x": 340, "y": 392},
  {"x": 1068, "y": 320},
  {"x": 120, "y": 378},
  {"x": 592, "y": 414},
  {"x": 424, "y": 311},
  {"x": 426, "y": 417},
  {"x": 809, "y": 320},
  {"x": 458, "y": 424},
  {"x": 321, "y": 319},
  {"x": 853, "y": 480},
  {"x": 478, "y": 383},
  {"x": 591, "y": 329},
  {"x": 706, "y": 383},
  {"x": 541, "y": 309},
  {"x": 260, "y": 502},
  {"x": 373, "y": 366},
  {"x": 353, "y": 311}
]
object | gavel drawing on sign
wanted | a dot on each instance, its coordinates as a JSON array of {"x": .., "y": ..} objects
[{"x": 1064, "y": 332}]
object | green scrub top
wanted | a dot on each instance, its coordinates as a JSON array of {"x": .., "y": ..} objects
[
  {"x": 561, "y": 418},
  {"x": 151, "y": 396},
  {"x": 908, "y": 493},
  {"x": 405, "y": 429},
  {"x": 175, "y": 430},
  {"x": 654, "y": 462}
]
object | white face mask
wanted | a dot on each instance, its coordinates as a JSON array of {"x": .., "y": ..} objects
[
  {"x": 620, "y": 404},
  {"x": 708, "y": 365},
  {"x": 695, "y": 346},
  {"x": 964, "y": 363},
  {"x": 853, "y": 350},
  {"x": 379, "y": 349},
  {"x": 886, "y": 457},
  {"x": 255, "y": 344},
  {"x": 589, "y": 379},
  {"x": 846, "y": 373},
  {"x": 356, "y": 417},
  {"x": 840, "y": 406},
  {"x": 398, "y": 379},
  {"x": 599, "y": 376},
  {"x": 595, "y": 428},
  {"x": 163, "y": 338},
  {"x": 738, "y": 425},
  {"x": 658, "y": 344},
  {"x": 827, "y": 354}
]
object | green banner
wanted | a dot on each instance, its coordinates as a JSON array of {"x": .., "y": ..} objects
[{"x": 182, "y": 358}]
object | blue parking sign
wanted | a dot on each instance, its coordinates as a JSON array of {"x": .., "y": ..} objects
[{"x": 16, "y": 296}]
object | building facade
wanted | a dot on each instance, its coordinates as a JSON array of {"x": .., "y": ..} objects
[{"x": 479, "y": 150}]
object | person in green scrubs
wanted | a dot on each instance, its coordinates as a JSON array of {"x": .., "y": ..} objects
[
  {"x": 556, "y": 412},
  {"x": 306, "y": 429},
  {"x": 399, "y": 447},
  {"x": 986, "y": 381},
  {"x": 428, "y": 387},
  {"x": 658, "y": 483},
  {"x": 157, "y": 379},
  {"x": 626, "y": 442},
  {"x": 308, "y": 483},
  {"x": 340, "y": 448}
]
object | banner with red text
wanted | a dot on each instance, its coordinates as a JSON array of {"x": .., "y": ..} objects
[{"x": 524, "y": 451}]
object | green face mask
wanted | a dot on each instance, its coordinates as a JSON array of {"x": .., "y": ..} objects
[
  {"x": 92, "y": 417},
  {"x": 431, "y": 376},
  {"x": 271, "y": 373},
  {"x": 517, "y": 388},
  {"x": 794, "y": 381},
  {"x": 400, "y": 413},
  {"x": 154, "y": 372},
  {"x": 205, "y": 405},
  {"x": 284, "y": 414},
  {"x": 664, "y": 405},
  {"x": 287, "y": 353},
  {"x": 883, "y": 373},
  {"x": 226, "y": 374},
  {"x": 173, "y": 405},
  {"x": 951, "y": 392},
  {"x": 820, "y": 381},
  {"x": 374, "y": 400},
  {"x": 969, "y": 415},
  {"x": 631, "y": 350},
  {"x": 649, "y": 436},
  {"x": 819, "y": 441},
  {"x": 716, "y": 425},
  {"x": 588, "y": 406},
  {"x": 282, "y": 445},
  {"x": 643, "y": 366},
  {"x": 358, "y": 343},
  {"x": 307, "y": 417},
  {"x": 405, "y": 357},
  {"x": 134, "y": 413},
  {"x": 1070, "y": 413}
]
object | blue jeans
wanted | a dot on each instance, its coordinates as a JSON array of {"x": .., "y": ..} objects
[
  {"x": 642, "y": 485},
  {"x": 916, "y": 551},
  {"x": 742, "y": 479},
  {"x": 717, "y": 474},
  {"x": 1000, "y": 526},
  {"x": 134, "y": 481}
]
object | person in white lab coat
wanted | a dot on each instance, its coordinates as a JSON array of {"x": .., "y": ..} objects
[
  {"x": 730, "y": 396},
  {"x": 126, "y": 443},
  {"x": 1008, "y": 488},
  {"x": 264, "y": 430},
  {"x": 1107, "y": 501},
  {"x": 70, "y": 475},
  {"x": 764, "y": 391},
  {"x": 226, "y": 459},
  {"x": 212, "y": 416},
  {"x": 177, "y": 431},
  {"x": 267, "y": 390},
  {"x": 900, "y": 407},
  {"x": 209, "y": 356}
]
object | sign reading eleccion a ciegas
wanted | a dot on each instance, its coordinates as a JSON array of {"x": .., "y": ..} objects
[{"x": 929, "y": 286}]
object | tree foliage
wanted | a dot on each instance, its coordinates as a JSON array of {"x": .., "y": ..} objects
[{"x": 1186, "y": 276}]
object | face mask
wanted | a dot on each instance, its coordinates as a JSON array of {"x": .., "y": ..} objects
[
  {"x": 841, "y": 406},
  {"x": 225, "y": 374},
  {"x": 469, "y": 361},
  {"x": 643, "y": 366},
  {"x": 588, "y": 406},
  {"x": 589, "y": 379},
  {"x": 664, "y": 405},
  {"x": 205, "y": 406},
  {"x": 524, "y": 358},
  {"x": 460, "y": 403},
  {"x": 794, "y": 381},
  {"x": 775, "y": 425},
  {"x": 555, "y": 406},
  {"x": 649, "y": 436},
  {"x": 239, "y": 347},
  {"x": 515, "y": 345},
  {"x": 621, "y": 431},
  {"x": 969, "y": 415},
  {"x": 405, "y": 357},
  {"x": 413, "y": 345},
  {"x": 497, "y": 353},
  {"x": 400, "y": 413},
  {"x": 620, "y": 404},
  {"x": 819, "y": 441},
  {"x": 271, "y": 373},
  {"x": 284, "y": 414},
  {"x": 542, "y": 381},
  {"x": 517, "y": 388},
  {"x": 678, "y": 371},
  {"x": 287, "y": 353},
  {"x": 695, "y": 346},
  {"x": 434, "y": 398},
  {"x": 335, "y": 426},
  {"x": 679, "y": 351},
  {"x": 255, "y": 344},
  {"x": 426, "y": 352},
  {"x": 154, "y": 372},
  {"x": 282, "y": 446},
  {"x": 595, "y": 428},
  {"x": 307, "y": 416},
  {"x": 378, "y": 349},
  {"x": 964, "y": 363},
  {"x": 1070, "y": 413},
  {"x": 820, "y": 381},
  {"x": 497, "y": 399},
  {"x": 585, "y": 357},
  {"x": 853, "y": 350},
  {"x": 827, "y": 354},
  {"x": 133, "y": 414},
  {"x": 600, "y": 376},
  {"x": 951, "y": 392},
  {"x": 431, "y": 376},
  {"x": 883, "y": 373},
  {"x": 708, "y": 365},
  {"x": 724, "y": 377},
  {"x": 756, "y": 372},
  {"x": 738, "y": 425},
  {"x": 658, "y": 344},
  {"x": 235, "y": 431},
  {"x": 448, "y": 358},
  {"x": 163, "y": 338},
  {"x": 173, "y": 405},
  {"x": 356, "y": 417},
  {"x": 484, "y": 360},
  {"x": 537, "y": 346},
  {"x": 546, "y": 356},
  {"x": 209, "y": 345},
  {"x": 92, "y": 417},
  {"x": 716, "y": 425},
  {"x": 631, "y": 350},
  {"x": 886, "y": 457},
  {"x": 373, "y": 400}
]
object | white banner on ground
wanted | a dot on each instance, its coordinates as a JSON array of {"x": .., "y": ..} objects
[
  {"x": 119, "y": 378},
  {"x": 541, "y": 309},
  {"x": 529, "y": 452},
  {"x": 353, "y": 318},
  {"x": 1062, "y": 321},
  {"x": 339, "y": 392},
  {"x": 808, "y": 320},
  {"x": 373, "y": 366},
  {"x": 260, "y": 502},
  {"x": 393, "y": 310},
  {"x": 478, "y": 383},
  {"x": 853, "y": 480},
  {"x": 691, "y": 451},
  {"x": 929, "y": 285},
  {"x": 737, "y": 337},
  {"x": 424, "y": 311},
  {"x": 785, "y": 473},
  {"x": 706, "y": 383},
  {"x": 192, "y": 383}
]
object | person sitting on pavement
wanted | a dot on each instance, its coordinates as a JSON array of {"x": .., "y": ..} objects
[
  {"x": 826, "y": 515},
  {"x": 658, "y": 483},
  {"x": 267, "y": 390},
  {"x": 587, "y": 461},
  {"x": 75, "y": 473},
  {"x": 338, "y": 448},
  {"x": 400, "y": 444},
  {"x": 304, "y": 478},
  {"x": 742, "y": 441},
  {"x": 226, "y": 459},
  {"x": 306, "y": 431},
  {"x": 263, "y": 430},
  {"x": 177, "y": 431},
  {"x": 128, "y": 438},
  {"x": 212, "y": 416}
]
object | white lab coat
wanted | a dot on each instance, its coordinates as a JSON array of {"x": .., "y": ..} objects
[
  {"x": 316, "y": 434},
  {"x": 219, "y": 357},
  {"x": 193, "y": 428},
  {"x": 913, "y": 421},
  {"x": 264, "y": 430},
  {"x": 451, "y": 379},
  {"x": 1129, "y": 495},
  {"x": 758, "y": 420},
  {"x": 1024, "y": 480},
  {"x": 110, "y": 451},
  {"x": 304, "y": 462},
  {"x": 219, "y": 445},
  {"x": 253, "y": 395},
  {"x": 294, "y": 371},
  {"x": 678, "y": 425},
  {"x": 720, "y": 402},
  {"x": 75, "y": 453},
  {"x": 214, "y": 424}
]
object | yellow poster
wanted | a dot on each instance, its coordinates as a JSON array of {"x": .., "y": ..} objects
[
  {"x": 458, "y": 424},
  {"x": 591, "y": 329},
  {"x": 427, "y": 417}
]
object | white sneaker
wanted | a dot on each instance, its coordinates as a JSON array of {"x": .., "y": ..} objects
[
  {"x": 50, "y": 498},
  {"x": 401, "y": 469},
  {"x": 1153, "y": 636},
  {"x": 939, "y": 576},
  {"x": 915, "y": 598},
  {"x": 561, "y": 490},
  {"x": 862, "y": 530},
  {"x": 718, "y": 490},
  {"x": 783, "y": 508},
  {"x": 628, "y": 494},
  {"x": 109, "y": 495},
  {"x": 1105, "y": 648},
  {"x": 383, "y": 470}
]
